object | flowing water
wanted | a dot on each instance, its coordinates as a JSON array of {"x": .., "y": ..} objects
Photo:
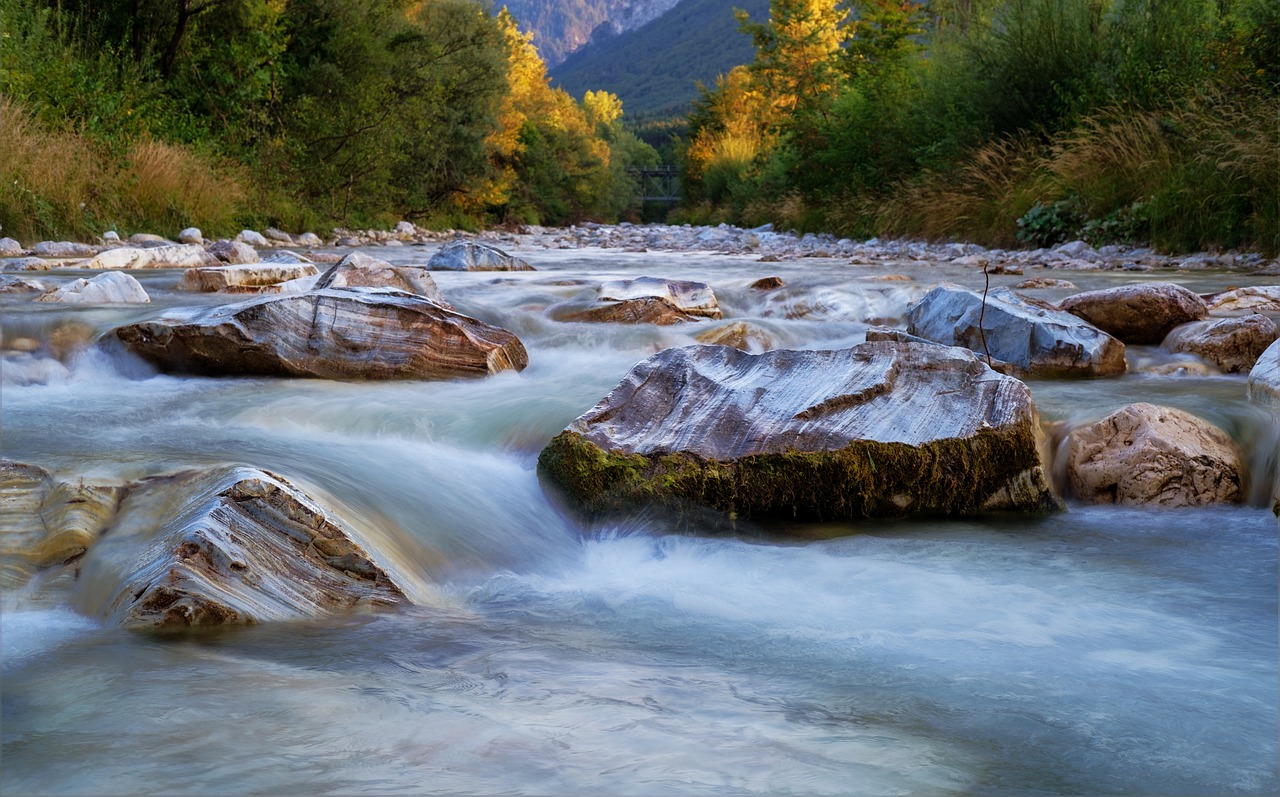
[{"x": 1101, "y": 650}]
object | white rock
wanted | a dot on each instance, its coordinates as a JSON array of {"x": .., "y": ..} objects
[
  {"x": 1264, "y": 379},
  {"x": 110, "y": 287},
  {"x": 191, "y": 235},
  {"x": 10, "y": 248},
  {"x": 252, "y": 238},
  {"x": 171, "y": 256}
]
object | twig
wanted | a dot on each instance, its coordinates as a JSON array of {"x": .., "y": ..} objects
[{"x": 983, "y": 312}]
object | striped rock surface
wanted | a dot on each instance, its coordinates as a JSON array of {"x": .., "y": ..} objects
[
  {"x": 329, "y": 334},
  {"x": 227, "y": 545},
  {"x": 878, "y": 430},
  {"x": 241, "y": 276}
]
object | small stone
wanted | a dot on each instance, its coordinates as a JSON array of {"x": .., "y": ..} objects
[
  {"x": 252, "y": 238},
  {"x": 10, "y": 248},
  {"x": 191, "y": 235},
  {"x": 768, "y": 284}
]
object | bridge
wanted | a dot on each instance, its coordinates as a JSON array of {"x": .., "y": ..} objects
[{"x": 658, "y": 183}]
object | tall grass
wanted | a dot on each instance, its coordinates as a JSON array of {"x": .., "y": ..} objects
[{"x": 58, "y": 184}]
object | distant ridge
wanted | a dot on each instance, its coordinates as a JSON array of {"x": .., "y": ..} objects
[{"x": 655, "y": 68}]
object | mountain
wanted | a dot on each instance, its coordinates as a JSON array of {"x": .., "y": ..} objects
[
  {"x": 560, "y": 27},
  {"x": 655, "y": 68}
]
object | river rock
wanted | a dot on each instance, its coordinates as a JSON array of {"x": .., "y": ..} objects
[
  {"x": 243, "y": 277},
  {"x": 10, "y": 248},
  {"x": 475, "y": 256},
  {"x": 12, "y": 283},
  {"x": 46, "y": 522},
  {"x": 329, "y": 334},
  {"x": 1031, "y": 339},
  {"x": 693, "y": 298},
  {"x": 878, "y": 430},
  {"x": 1251, "y": 299},
  {"x": 167, "y": 256},
  {"x": 28, "y": 264},
  {"x": 768, "y": 284},
  {"x": 253, "y": 239},
  {"x": 647, "y": 310},
  {"x": 272, "y": 234},
  {"x": 191, "y": 235},
  {"x": 233, "y": 252},
  {"x": 1264, "y": 378},
  {"x": 358, "y": 270},
  {"x": 228, "y": 545},
  {"x": 109, "y": 287},
  {"x": 1044, "y": 282},
  {"x": 1232, "y": 344},
  {"x": 1144, "y": 454},
  {"x": 147, "y": 240},
  {"x": 739, "y": 335},
  {"x": 62, "y": 249},
  {"x": 308, "y": 239},
  {"x": 1139, "y": 313}
]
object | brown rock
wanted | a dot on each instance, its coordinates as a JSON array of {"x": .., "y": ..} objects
[
  {"x": 241, "y": 277},
  {"x": 228, "y": 545},
  {"x": 1232, "y": 344},
  {"x": 233, "y": 252},
  {"x": 739, "y": 335},
  {"x": 357, "y": 270},
  {"x": 694, "y": 298},
  {"x": 646, "y": 310},
  {"x": 1044, "y": 282},
  {"x": 768, "y": 283},
  {"x": 1149, "y": 455},
  {"x": 330, "y": 334},
  {"x": 1139, "y": 313}
]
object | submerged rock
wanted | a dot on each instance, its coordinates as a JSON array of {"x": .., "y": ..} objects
[
  {"x": 878, "y": 430},
  {"x": 358, "y": 270},
  {"x": 475, "y": 256},
  {"x": 164, "y": 256},
  {"x": 109, "y": 287},
  {"x": 330, "y": 334},
  {"x": 693, "y": 298},
  {"x": 740, "y": 335},
  {"x": 243, "y": 277},
  {"x": 1030, "y": 338},
  {"x": 1140, "y": 313},
  {"x": 224, "y": 546},
  {"x": 1232, "y": 344},
  {"x": 46, "y": 522},
  {"x": 1144, "y": 454}
]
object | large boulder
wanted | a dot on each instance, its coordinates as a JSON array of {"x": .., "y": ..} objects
[
  {"x": 1232, "y": 344},
  {"x": 1140, "y": 313},
  {"x": 693, "y": 298},
  {"x": 109, "y": 287},
  {"x": 475, "y": 256},
  {"x": 1144, "y": 454},
  {"x": 243, "y": 277},
  {"x": 358, "y": 270},
  {"x": 878, "y": 430},
  {"x": 227, "y": 545},
  {"x": 1030, "y": 338},
  {"x": 329, "y": 334},
  {"x": 166, "y": 256},
  {"x": 1264, "y": 378},
  {"x": 47, "y": 522}
]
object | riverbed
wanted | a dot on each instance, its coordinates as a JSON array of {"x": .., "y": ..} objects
[{"x": 1100, "y": 650}]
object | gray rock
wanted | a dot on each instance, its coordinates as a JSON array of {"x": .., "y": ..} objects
[
  {"x": 1078, "y": 250},
  {"x": 271, "y": 233},
  {"x": 252, "y": 238},
  {"x": 475, "y": 256},
  {"x": 147, "y": 240},
  {"x": 881, "y": 429},
  {"x": 12, "y": 283},
  {"x": 1232, "y": 344},
  {"x": 285, "y": 257},
  {"x": 1264, "y": 378},
  {"x": 358, "y": 270},
  {"x": 110, "y": 287},
  {"x": 1140, "y": 313},
  {"x": 111, "y": 237},
  {"x": 10, "y": 248},
  {"x": 1030, "y": 338},
  {"x": 233, "y": 252},
  {"x": 1144, "y": 454},
  {"x": 62, "y": 249},
  {"x": 308, "y": 239},
  {"x": 228, "y": 545},
  {"x": 191, "y": 235},
  {"x": 28, "y": 264},
  {"x": 329, "y": 334}
]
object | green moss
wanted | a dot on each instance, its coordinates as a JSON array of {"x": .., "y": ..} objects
[{"x": 865, "y": 479}]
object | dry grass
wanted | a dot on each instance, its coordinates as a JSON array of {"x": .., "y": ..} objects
[{"x": 56, "y": 184}]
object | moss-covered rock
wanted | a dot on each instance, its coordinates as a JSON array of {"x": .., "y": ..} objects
[{"x": 883, "y": 429}]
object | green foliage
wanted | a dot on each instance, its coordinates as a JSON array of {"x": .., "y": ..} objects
[{"x": 1046, "y": 225}]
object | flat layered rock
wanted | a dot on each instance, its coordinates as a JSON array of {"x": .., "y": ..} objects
[
  {"x": 645, "y": 310},
  {"x": 110, "y": 287},
  {"x": 329, "y": 334},
  {"x": 878, "y": 430},
  {"x": 1031, "y": 338},
  {"x": 1232, "y": 344},
  {"x": 1140, "y": 313},
  {"x": 693, "y": 298},
  {"x": 211, "y": 279},
  {"x": 475, "y": 256},
  {"x": 358, "y": 270},
  {"x": 163, "y": 256},
  {"x": 1145, "y": 454},
  {"x": 1250, "y": 299},
  {"x": 228, "y": 545}
]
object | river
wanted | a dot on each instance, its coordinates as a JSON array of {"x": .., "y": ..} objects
[{"x": 1101, "y": 650}]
